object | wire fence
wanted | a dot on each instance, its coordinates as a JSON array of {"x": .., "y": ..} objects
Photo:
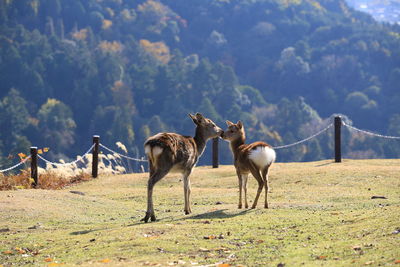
[
  {"x": 16, "y": 165},
  {"x": 370, "y": 133},
  {"x": 93, "y": 149},
  {"x": 306, "y": 139},
  {"x": 123, "y": 156},
  {"x": 79, "y": 158}
]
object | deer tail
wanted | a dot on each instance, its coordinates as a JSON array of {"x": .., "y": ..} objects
[{"x": 153, "y": 152}]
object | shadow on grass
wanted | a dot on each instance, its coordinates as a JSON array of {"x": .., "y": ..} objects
[
  {"x": 139, "y": 222},
  {"x": 84, "y": 232},
  {"x": 217, "y": 214},
  {"x": 325, "y": 164}
]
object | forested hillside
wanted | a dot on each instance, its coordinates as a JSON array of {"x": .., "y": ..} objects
[
  {"x": 126, "y": 69},
  {"x": 386, "y": 11}
]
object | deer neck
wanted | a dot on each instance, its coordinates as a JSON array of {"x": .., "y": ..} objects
[
  {"x": 235, "y": 144},
  {"x": 200, "y": 141}
]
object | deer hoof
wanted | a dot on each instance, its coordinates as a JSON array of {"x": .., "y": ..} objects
[
  {"x": 187, "y": 212},
  {"x": 147, "y": 217},
  {"x": 239, "y": 206},
  {"x": 253, "y": 207},
  {"x": 246, "y": 206}
]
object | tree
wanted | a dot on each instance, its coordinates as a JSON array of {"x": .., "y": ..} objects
[
  {"x": 289, "y": 63},
  {"x": 14, "y": 116},
  {"x": 51, "y": 8},
  {"x": 207, "y": 108},
  {"x": 220, "y": 57},
  {"x": 153, "y": 15},
  {"x": 122, "y": 126},
  {"x": 14, "y": 119},
  {"x": 394, "y": 125},
  {"x": 96, "y": 20},
  {"x": 11, "y": 65},
  {"x": 74, "y": 14},
  {"x": 57, "y": 125}
]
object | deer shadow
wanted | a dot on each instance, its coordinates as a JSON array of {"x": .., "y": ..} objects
[
  {"x": 217, "y": 214},
  {"x": 84, "y": 232}
]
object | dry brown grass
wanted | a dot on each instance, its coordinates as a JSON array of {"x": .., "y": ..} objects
[
  {"x": 10, "y": 182},
  {"x": 58, "y": 176},
  {"x": 47, "y": 180}
]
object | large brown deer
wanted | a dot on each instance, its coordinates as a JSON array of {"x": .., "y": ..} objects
[
  {"x": 171, "y": 152},
  {"x": 255, "y": 158}
]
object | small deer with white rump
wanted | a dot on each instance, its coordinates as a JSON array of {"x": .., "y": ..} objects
[
  {"x": 255, "y": 158},
  {"x": 171, "y": 152}
]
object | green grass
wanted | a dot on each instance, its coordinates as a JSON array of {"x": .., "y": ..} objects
[{"x": 321, "y": 214}]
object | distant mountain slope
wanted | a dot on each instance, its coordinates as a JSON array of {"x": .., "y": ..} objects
[
  {"x": 128, "y": 69},
  {"x": 385, "y": 11},
  {"x": 321, "y": 50}
]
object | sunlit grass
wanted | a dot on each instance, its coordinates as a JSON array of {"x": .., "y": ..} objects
[{"x": 321, "y": 214}]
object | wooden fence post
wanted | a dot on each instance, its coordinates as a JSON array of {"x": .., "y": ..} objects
[
  {"x": 95, "y": 156},
  {"x": 338, "y": 150},
  {"x": 34, "y": 166},
  {"x": 215, "y": 152}
]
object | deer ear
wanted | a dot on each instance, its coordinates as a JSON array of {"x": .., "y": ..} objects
[
  {"x": 199, "y": 117},
  {"x": 193, "y": 118},
  {"x": 239, "y": 124},
  {"x": 229, "y": 123}
]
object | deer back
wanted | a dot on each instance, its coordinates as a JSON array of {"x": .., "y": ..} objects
[{"x": 171, "y": 149}]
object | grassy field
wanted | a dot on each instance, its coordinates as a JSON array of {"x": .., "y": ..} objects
[{"x": 321, "y": 214}]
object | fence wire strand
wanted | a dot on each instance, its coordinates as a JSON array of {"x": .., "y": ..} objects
[
  {"x": 304, "y": 140},
  {"x": 370, "y": 133},
  {"x": 121, "y": 155},
  {"x": 80, "y": 158},
  {"x": 16, "y": 165}
]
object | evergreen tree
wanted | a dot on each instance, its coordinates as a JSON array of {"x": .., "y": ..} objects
[{"x": 57, "y": 126}]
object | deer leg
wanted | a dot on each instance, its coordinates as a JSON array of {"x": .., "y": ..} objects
[
  {"x": 240, "y": 178},
  {"x": 265, "y": 178},
  {"x": 187, "y": 190},
  {"x": 155, "y": 176},
  {"x": 256, "y": 173},
  {"x": 244, "y": 178}
]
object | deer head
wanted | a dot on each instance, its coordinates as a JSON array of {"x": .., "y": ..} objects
[
  {"x": 234, "y": 131},
  {"x": 205, "y": 127}
]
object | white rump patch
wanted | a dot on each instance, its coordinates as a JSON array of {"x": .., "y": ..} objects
[
  {"x": 153, "y": 153},
  {"x": 157, "y": 151},
  {"x": 147, "y": 149},
  {"x": 262, "y": 156}
]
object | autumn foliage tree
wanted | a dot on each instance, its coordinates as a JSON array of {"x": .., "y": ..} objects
[{"x": 125, "y": 69}]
